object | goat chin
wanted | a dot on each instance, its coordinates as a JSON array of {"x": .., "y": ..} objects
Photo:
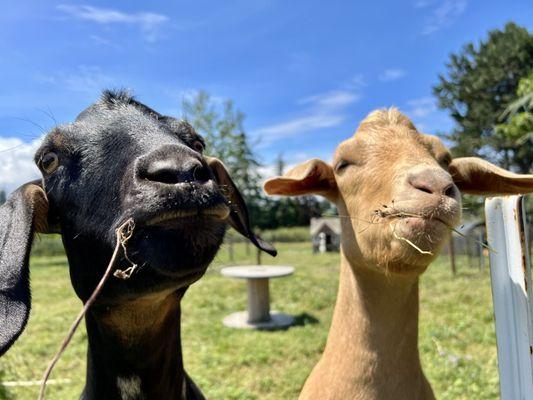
[{"x": 176, "y": 250}]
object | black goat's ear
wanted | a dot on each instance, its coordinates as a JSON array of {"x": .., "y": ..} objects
[
  {"x": 238, "y": 217},
  {"x": 25, "y": 212}
]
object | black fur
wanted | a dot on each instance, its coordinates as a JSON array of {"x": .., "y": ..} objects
[{"x": 121, "y": 159}]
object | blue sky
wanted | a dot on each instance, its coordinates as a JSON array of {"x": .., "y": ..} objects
[{"x": 304, "y": 72}]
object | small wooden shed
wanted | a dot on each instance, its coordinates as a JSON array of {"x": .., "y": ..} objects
[{"x": 325, "y": 234}]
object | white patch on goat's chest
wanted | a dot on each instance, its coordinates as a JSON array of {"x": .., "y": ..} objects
[{"x": 130, "y": 388}]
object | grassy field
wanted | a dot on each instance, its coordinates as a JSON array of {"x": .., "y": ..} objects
[{"x": 456, "y": 331}]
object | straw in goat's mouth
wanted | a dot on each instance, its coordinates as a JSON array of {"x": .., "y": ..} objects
[
  {"x": 404, "y": 239},
  {"x": 380, "y": 215},
  {"x": 123, "y": 233}
]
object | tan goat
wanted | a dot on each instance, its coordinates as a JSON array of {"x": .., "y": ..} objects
[{"x": 397, "y": 192}]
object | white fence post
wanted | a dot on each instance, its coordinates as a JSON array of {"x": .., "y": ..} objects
[{"x": 512, "y": 295}]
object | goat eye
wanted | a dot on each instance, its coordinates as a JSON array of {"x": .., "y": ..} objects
[
  {"x": 341, "y": 165},
  {"x": 49, "y": 162},
  {"x": 446, "y": 160},
  {"x": 198, "y": 146}
]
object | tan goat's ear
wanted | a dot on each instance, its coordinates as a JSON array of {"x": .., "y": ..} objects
[
  {"x": 311, "y": 177},
  {"x": 476, "y": 176}
]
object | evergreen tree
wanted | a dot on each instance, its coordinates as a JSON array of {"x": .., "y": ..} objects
[
  {"x": 222, "y": 128},
  {"x": 481, "y": 82},
  {"x": 280, "y": 165}
]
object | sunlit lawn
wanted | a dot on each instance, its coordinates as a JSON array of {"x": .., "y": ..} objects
[{"x": 456, "y": 331}]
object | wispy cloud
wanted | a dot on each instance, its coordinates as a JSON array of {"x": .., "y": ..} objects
[
  {"x": 16, "y": 162},
  {"x": 422, "y": 107},
  {"x": 296, "y": 126},
  {"x": 355, "y": 83},
  {"x": 296, "y": 157},
  {"x": 427, "y": 117},
  {"x": 424, "y": 3},
  {"x": 87, "y": 79},
  {"x": 442, "y": 13},
  {"x": 149, "y": 23},
  {"x": 392, "y": 74},
  {"x": 102, "y": 41},
  {"x": 333, "y": 99},
  {"x": 321, "y": 111}
]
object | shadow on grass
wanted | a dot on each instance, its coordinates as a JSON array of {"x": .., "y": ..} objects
[{"x": 304, "y": 319}]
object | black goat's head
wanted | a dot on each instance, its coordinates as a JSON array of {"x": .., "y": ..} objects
[{"x": 119, "y": 160}]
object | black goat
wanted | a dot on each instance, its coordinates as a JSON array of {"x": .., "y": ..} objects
[{"x": 122, "y": 160}]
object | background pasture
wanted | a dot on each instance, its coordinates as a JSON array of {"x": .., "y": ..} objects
[{"x": 457, "y": 339}]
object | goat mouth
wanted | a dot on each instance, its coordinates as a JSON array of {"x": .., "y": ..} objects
[
  {"x": 421, "y": 217},
  {"x": 217, "y": 212},
  {"x": 423, "y": 222}
]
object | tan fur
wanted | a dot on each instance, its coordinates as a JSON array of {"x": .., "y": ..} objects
[
  {"x": 142, "y": 317},
  {"x": 392, "y": 185},
  {"x": 385, "y": 117},
  {"x": 39, "y": 203}
]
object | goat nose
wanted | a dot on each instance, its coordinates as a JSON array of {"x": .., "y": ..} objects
[
  {"x": 433, "y": 182},
  {"x": 170, "y": 172}
]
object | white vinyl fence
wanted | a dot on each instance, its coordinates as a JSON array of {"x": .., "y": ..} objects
[{"x": 512, "y": 295}]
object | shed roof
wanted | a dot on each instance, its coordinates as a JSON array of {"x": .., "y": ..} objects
[{"x": 317, "y": 224}]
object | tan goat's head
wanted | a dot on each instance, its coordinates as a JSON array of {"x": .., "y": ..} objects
[{"x": 397, "y": 191}]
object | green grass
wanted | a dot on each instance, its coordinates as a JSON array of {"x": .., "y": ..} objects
[{"x": 456, "y": 331}]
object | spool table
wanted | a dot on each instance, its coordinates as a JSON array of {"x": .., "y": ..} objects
[{"x": 258, "y": 314}]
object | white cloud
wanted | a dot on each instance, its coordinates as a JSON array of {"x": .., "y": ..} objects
[
  {"x": 421, "y": 108},
  {"x": 336, "y": 98},
  {"x": 16, "y": 162},
  {"x": 149, "y": 23},
  {"x": 86, "y": 79},
  {"x": 427, "y": 117},
  {"x": 296, "y": 126},
  {"x": 443, "y": 13},
  {"x": 357, "y": 82},
  {"x": 269, "y": 170},
  {"x": 102, "y": 41},
  {"x": 324, "y": 110},
  {"x": 424, "y": 3},
  {"x": 392, "y": 74}
]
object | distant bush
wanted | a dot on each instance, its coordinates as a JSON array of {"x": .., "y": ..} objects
[
  {"x": 284, "y": 235},
  {"x": 287, "y": 235},
  {"x": 51, "y": 245},
  {"x": 47, "y": 245}
]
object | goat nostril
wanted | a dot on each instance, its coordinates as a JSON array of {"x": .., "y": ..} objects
[
  {"x": 163, "y": 175},
  {"x": 432, "y": 181},
  {"x": 170, "y": 173},
  {"x": 449, "y": 191},
  {"x": 200, "y": 174},
  {"x": 424, "y": 189},
  {"x": 422, "y": 186}
]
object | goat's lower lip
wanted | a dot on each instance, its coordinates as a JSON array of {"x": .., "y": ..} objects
[
  {"x": 406, "y": 216},
  {"x": 425, "y": 219},
  {"x": 220, "y": 211}
]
